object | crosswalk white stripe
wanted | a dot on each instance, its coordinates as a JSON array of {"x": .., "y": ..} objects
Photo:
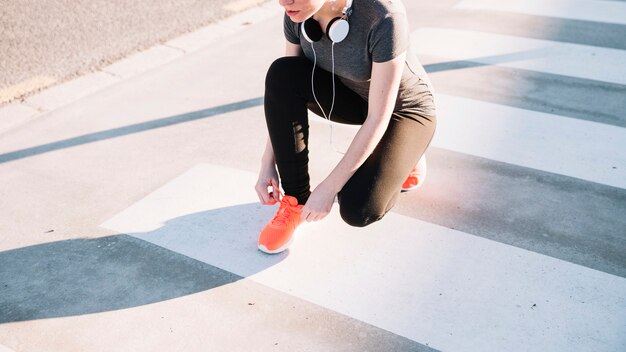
[
  {"x": 586, "y": 10},
  {"x": 583, "y": 149},
  {"x": 450, "y": 289},
  {"x": 574, "y": 60},
  {"x": 566, "y": 146}
]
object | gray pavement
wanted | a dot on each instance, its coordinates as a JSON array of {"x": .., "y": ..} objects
[
  {"x": 523, "y": 258},
  {"x": 46, "y": 43}
]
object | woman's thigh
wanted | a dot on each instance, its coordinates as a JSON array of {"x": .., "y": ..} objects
[
  {"x": 373, "y": 190},
  {"x": 291, "y": 81}
]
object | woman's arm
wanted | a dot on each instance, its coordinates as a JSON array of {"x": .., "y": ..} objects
[
  {"x": 384, "y": 85},
  {"x": 292, "y": 49}
]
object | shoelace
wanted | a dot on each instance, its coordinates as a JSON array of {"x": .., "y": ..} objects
[{"x": 284, "y": 213}]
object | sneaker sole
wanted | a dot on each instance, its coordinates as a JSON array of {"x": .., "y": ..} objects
[
  {"x": 263, "y": 249},
  {"x": 410, "y": 189},
  {"x": 402, "y": 189}
]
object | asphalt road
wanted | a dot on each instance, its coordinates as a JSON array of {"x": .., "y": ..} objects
[
  {"x": 132, "y": 207},
  {"x": 43, "y": 43}
]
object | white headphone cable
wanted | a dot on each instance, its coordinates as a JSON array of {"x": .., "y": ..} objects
[{"x": 332, "y": 105}]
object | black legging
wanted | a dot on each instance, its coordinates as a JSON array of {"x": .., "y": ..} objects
[{"x": 373, "y": 190}]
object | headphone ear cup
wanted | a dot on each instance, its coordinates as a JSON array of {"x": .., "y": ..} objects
[
  {"x": 337, "y": 29},
  {"x": 312, "y": 30}
]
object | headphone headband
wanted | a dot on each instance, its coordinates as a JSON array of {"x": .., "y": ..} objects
[
  {"x": 347, "y": 10},
  {"x": 336, "y": 30}
]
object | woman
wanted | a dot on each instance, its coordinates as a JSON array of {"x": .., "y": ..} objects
[{"x": 350, "y": 61}]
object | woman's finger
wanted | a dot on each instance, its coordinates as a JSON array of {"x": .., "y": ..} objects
[
  {"x": 264, "y": 196},
  {"x": 311, "y": 216},
  {"x": 275, "y": 188},
  {"x": 262, "y": 199}
]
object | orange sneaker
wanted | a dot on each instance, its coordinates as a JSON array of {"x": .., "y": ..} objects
[
  {"x": 416, "y": 176},
  {"x": 278, "y": 233}
]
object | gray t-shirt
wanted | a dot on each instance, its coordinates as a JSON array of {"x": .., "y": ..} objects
[{"x": 379, "y": 32}]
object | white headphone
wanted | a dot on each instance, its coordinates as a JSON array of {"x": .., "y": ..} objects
[{"x": 337, "y": 29}]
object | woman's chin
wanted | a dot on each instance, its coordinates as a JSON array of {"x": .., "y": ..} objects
[{"x": 296, "y": 16}]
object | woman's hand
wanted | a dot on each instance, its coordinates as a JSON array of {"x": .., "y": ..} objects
[
  {"x": 268, "y": 177},
  {"x": 382, "y": 97},
  {"x": 319, "y": 204}
]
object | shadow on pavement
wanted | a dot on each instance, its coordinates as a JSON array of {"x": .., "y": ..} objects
[
  {"x": 91, "y": 275},
  {"x": 130, "y": 129}
]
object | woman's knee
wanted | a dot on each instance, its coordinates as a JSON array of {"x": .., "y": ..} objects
[
  {"x": 286, "y": 72},
  {"x": 359, "y": 216}
]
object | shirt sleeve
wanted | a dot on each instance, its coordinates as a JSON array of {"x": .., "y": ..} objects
[
  {"x": 389, "y": 38},
  {"x": 291, "y": 30}
]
